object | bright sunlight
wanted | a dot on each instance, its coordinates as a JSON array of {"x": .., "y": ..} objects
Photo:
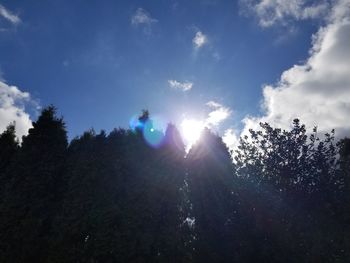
[{"x": 191, "y": 130}]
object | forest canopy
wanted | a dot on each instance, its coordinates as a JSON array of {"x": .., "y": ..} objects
[{"x": 136, "y": 195}]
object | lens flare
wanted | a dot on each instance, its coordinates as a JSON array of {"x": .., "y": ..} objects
[
  {"x": 152, "y": 129},
  {"x": 152, "y": 136},
  {"x": 134, "y": 123}
]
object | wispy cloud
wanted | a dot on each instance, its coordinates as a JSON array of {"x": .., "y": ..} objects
[
  {"x": 9, "y": 16},
  {"x": 142, "y": 17},
  {"x": 218, "y": 114},
  {"x": 281, "y": 12},
  {"x": 199, "y": 40},
  {"x": 184, "y": 86},
  {"x": 216, "y": 55}
]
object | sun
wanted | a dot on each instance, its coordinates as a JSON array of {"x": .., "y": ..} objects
[{"x": 191, "y": 130}]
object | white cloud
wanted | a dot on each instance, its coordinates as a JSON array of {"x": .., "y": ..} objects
[
  {"x": 231, "y": 139},
  {"x": 9, "y": 16},
  {"x": 184, "y": 86},
  {"x": 12, "y": 109},
  {"x": 199, "y": 40},
  {"x": 142, "y": 17},
  {"x": 318, "y": 91},
  {"x": 270, "y": 12},
  {"x": 213, "y": 104},
  {"x": 218, "y": 114}
]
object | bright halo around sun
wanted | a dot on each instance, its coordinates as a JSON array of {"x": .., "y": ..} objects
[{"x": 191, "y": 130}]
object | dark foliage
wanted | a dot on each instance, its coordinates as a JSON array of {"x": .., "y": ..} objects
[
  {"x": 8, "y": 149},
  {"x": 284, "y": 197}
]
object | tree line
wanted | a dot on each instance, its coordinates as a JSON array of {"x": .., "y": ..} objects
[{"x": 284, "y": 196}]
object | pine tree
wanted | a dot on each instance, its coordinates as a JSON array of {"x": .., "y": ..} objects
[
  {"x": 8, "y": 149},
  {"x": 166, "y": 199},
  {"x": 210, "y": 180},
  {"x": 136, "y": 196},
  {"x": 87, "y": 225},
  {"x": 154, "y": 195},
  {"x": 8, "y": 146},
  {"x": 34, "y": 191},
  {"x": 8, "y": 152}
]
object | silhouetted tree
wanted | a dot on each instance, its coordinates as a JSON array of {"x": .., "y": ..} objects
[
  {"x": 123, "y": 199},
  {"x": 8, "y": 146},
  {"x": 344, "y": 152},
  {"x": 169, "y": 228},
  {"x": 300, "y": 173},
  {"x": 343, "y": 234},
  {"x": 34, "y": 191},
  {"x": 135, "y": 195},
  {"x": 8, "y": 149},
  {"x": 154, "y": 195},
  {"x": 210, "y": 181}
]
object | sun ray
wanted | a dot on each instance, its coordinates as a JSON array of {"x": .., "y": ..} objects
[{"x": 191, "y": 130}]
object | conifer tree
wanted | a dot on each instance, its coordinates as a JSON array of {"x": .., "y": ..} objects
[
  {"x": 87, "y": 224},
  {"x": 8, "y": 146},
  {"x": 154, "y": 195},
  {"x": 136, "y": 196},
  {"x": 210, "y": 180},
  {"x": 8, "y": 150},
  {"x": 168, "y": 171},
  {"x": 34, "y": 191}
]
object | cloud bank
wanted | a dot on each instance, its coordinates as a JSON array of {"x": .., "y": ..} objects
[
  {"x": 12, "y": 109},
  {"x": 317, "y": 91}
]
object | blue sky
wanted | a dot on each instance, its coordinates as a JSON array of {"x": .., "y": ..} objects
[{"x": 101, "y": 62}]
